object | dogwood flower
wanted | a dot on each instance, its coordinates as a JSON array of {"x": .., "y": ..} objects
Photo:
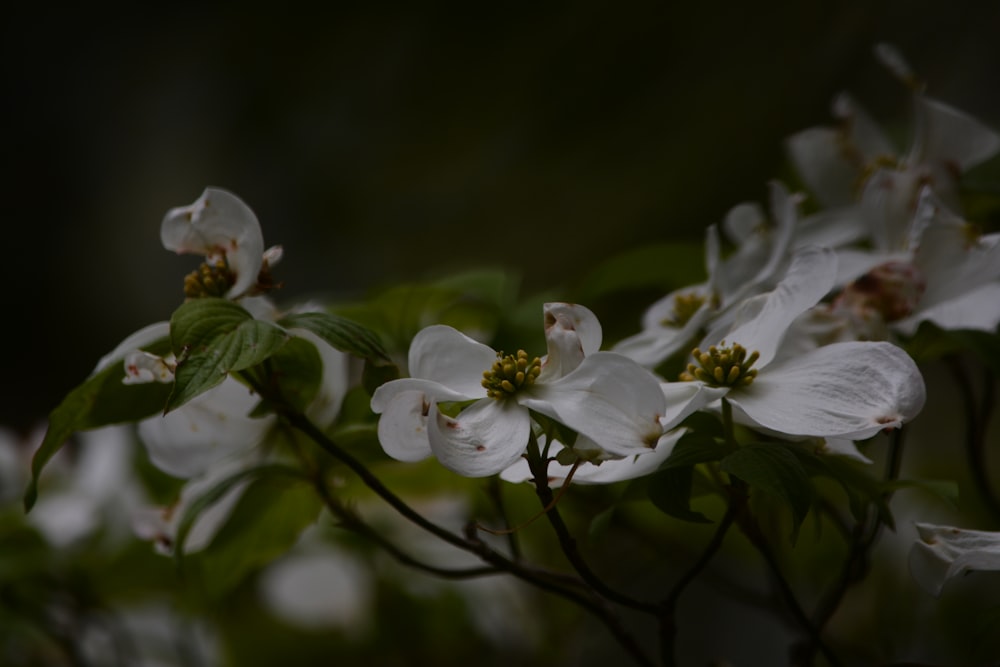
[
  {"x": 846, "y": 390},
  {"x": 950, "y": 277},
  {"x": 855, "y": 169},
  {"x": 222, "y": 228},
  {"x": 944, "y": 552},
  {"x": 673, "y": 321},
  {"x": 602, "y": 395}
]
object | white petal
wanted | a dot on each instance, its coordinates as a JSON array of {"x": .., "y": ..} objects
[
  {"x": 402, "y": 428},
  {"x": 865, "y": 136},
  {"x": 977, "y": 309},
  {"x": 943, "y": 552},
  {"x": 449, "y": 357},
  {"x": 659, "y": 339},
  {"x": 951, "y": 136},
  {"x": 742, "y": 222},
  {"x": 143, "y": 367},
  {"x": 607, "y": 472},
  {"x": 609, "y": 398},
  {"x": 762, "y": 321},
  {"x": 135, "y": 341},
  {"x": 842, "y": 447},
  {"x": 686, "y": 398},
  {"x": 823, "y": 165},
  {"x": 210, "y": 428},
  {"x": 218, "y": 223},
  {"x": 485, "y": 438},
  {"x": 846, "y": 390},
  {"x": 572, "y": 332},
  {"x": 832, "y": 227}
]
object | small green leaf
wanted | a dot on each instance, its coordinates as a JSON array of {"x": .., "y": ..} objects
[
  {"x": 343, "y": 334},
  {"x": 101, "y": 400},
  {"x": 213, "y": 337},
  {"x": 774, "y": 470},
  {"x": 670, "y": 491},
  {"x": 198, "y": 322}
]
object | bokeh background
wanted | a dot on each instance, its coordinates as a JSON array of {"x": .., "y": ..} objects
[{"x": 382, "y": 144}]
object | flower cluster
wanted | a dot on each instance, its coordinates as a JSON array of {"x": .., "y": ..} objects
[{"x": 784, "y": 365}]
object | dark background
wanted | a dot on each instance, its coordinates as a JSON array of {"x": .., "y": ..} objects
[{"x": 384, "y": 144}]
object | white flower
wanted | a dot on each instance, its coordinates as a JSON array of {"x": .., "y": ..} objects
[
  {"x": 845, "y": 390},
  {"x": 855, "y": 165},
  {"x": 604, "y": 396},
  {"x": 222, "y": 228},
  {"x": 943, "y": 552},
  {"x": 670, "y": 323}
]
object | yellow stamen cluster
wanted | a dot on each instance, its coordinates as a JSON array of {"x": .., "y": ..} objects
[
  {"x": 209, "y": 280},
  {"x": 511, "y": 373},
  {"x": 685, "y": 306},
  {"x": 722, "y": 366}
]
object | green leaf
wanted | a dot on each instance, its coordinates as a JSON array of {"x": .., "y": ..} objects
[
  {"x": 774, "y": 470},
  {"x": 695, "y": 447},
  {"x": 670, "y": 491},
  {"x": 213, "y": 337},
  {"x": 664, "y": 266},
  {"x": 296, "y": 372},
  {"x": 101, "y": 400},
  {"x": 268, "y": 519},
  {"x": 342, "y": 334}
]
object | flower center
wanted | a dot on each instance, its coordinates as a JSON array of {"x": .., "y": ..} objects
[
  {"x": 511, "y": 373},
  {"x": 213, "y": 279},
  {"x": 722, "y": 366},
  {"x": 685, "y": 306},
  {"x": 892, "y": 289}
]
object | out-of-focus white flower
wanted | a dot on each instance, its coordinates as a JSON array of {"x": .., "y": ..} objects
[
  {"x": 943, "y": 552},
  {"x": 98, "y": 492},
  {"x": 318, "y": 586}
]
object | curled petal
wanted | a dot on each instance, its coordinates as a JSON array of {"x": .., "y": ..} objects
[
  {"x": 485, "y": 438},
  {"x": 943, "y": 552},
  {"x": 844, "y": 390},
  {"x": 402, "y": 428},
  {"x": 951, "y": 136},
  {"x": 218, "y": 224},
  {"x": 447, "y": 356},
  {"x": 572, "y": 332},
  {"x": 143, "y": 367},
  {"x": 609, "y": 398}
]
